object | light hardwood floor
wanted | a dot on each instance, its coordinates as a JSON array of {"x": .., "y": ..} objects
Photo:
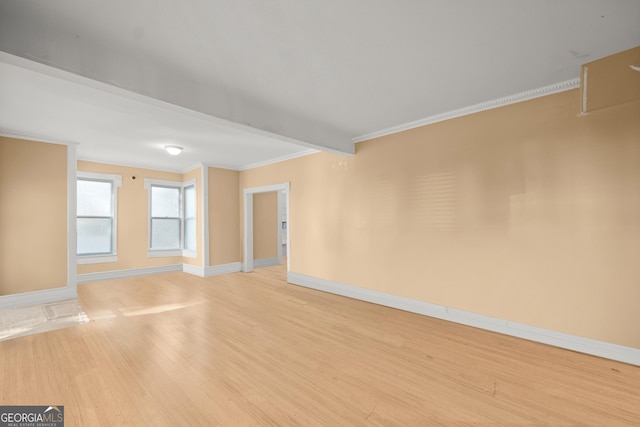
[{"x": 249, "y": 349}]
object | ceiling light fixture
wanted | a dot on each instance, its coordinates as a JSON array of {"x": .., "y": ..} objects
[{"x": 174, "y": 150}]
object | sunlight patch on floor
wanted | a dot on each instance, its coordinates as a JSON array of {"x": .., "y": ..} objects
[{"x": 21, "y": 321}]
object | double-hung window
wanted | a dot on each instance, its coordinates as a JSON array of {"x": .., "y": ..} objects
[
  {"x": 172, "y": 218},
  {"x": 165, "y": 218},
  {"x": 96, "y": 217}
]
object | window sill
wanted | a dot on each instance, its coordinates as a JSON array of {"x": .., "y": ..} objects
[
  {"x": 172, "y": 252},
  {"x": 96, "y": 259}
]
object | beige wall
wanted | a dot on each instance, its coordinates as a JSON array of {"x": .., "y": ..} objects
[
  {"x": 265, "y": 225},
  {"x": 224, "y": 216},
  {"x": 611, "y": 81},
  {"x": 133, "y": 220},
  {"x": 33, "y": 216},
  {"x": 528, "y": 213}
]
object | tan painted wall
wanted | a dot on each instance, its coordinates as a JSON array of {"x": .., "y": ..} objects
[
  {"x": 133, "y": 211},
  {"x": 224, "y": 216},
  {"x": 33, "y": 216},
  {"x": 528, "y": 213},
  {"x": 265, "y": 225},
  {"x": 611, "y": 81},
  {"x": 197, "y": 175}
]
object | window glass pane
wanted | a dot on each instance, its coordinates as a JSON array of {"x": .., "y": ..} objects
[
  {"x": 190, "y": 234},
  {"x": 165, "y": 233},
  {"x": 94, "y": 198},
  {"x": 190, "y": 202},
  {"x": 94, "y": 236},
  {"x": 165, "y": 202}
]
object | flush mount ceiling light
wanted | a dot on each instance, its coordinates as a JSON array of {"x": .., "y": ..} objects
[{"x": 174, "y": 150}]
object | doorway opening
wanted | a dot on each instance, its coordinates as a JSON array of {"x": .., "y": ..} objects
[{"x": 283, "y": 223}]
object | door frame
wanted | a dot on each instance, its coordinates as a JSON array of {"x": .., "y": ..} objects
[{"x": 247, "y": 194}]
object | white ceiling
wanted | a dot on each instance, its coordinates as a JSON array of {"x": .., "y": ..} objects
[
  {"x": 116, "y": 126},
  {"x": 316, "y": 73}
]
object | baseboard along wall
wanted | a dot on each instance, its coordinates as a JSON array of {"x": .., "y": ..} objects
[
  {"x": 265, "y": 262},
  {"x": 570, "y": 342},
  {"x": 213, "y": 270},
  {"x": 558, "y": 339},
  {"x": 37, "y": 297}
]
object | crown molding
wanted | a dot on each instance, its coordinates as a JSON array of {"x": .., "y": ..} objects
[
  {"x": 193, "y": 167},
  {"x": 280, "y": 159},
  {"x": 35, "y": 138},
  {"x": 483, "y": 106}
]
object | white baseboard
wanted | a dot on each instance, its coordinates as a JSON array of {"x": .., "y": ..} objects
[
  {"x": 59, "y": 294},
  {"x": 133, "y": 272},
  {"x": 531, "y": 333},
  {"x": 266, "y": 262},
  {"x": 193, "y": 269},
  {"x": 216, "y": 270},
  {"x": 37, "y": 297}
]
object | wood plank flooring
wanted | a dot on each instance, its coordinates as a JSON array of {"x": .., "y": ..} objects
[{"x": 250, "y": 349}]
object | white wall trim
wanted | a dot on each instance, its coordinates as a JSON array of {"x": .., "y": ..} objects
[
  {"x": 115, "y": 178},
  {"x": 193, "y": 269},
  {"x": 280, "y": 159},
  {"x": 204, "y": 188},
  {"x": 189, "y": 254},
  {"x": 266, "y": 262},
  {"x": 148, "y": 182},
  {"x": 133, "y": 272},
  {"x": 191, "y": 168},
  {"x": 483, "y": 106},
  {"x": 247, "y": 194},
  {"x": 267, "y": 188},
  {"x": 130, "y": 165},
  {"x": 37, "y": 297},
  {"x": 33, "y": 137},
  {"x": 281, "y": 203},
  {"x": 96, "y": 259},
  {"x": 72, "y": 222},
  {"x": 217, "y": 270},
  {"x": 532, "y": 333}
]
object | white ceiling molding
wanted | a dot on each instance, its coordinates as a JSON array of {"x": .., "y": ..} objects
[
  {"x": 158, "y": 169},
  {"x": 280, "y": 159},
  {"x": 483, "y": 106},
  {"x": 34, "y": 138}
]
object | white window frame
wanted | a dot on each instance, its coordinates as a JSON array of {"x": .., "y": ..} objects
[
  {"x": 187, "y": 252},
  {"x": 159, "y": 253},
  {"x": 116, "y": 182}
]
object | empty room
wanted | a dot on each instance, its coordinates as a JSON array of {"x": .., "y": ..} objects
[{"x": 408, "y": 213}]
